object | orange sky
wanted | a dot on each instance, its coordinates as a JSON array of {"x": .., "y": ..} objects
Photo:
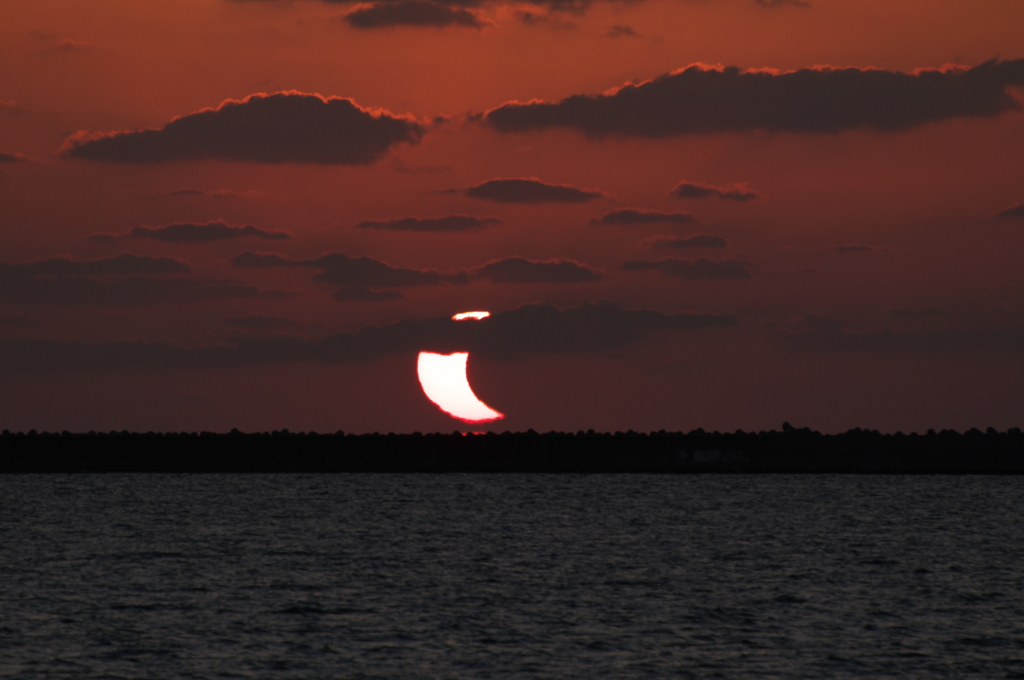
[{"x": 871, "y": 279}]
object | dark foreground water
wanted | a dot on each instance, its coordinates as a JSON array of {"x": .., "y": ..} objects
[{"x": 511, "y": 576}]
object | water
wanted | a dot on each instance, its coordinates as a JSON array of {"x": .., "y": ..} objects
[{"x": 510, "y": 576}]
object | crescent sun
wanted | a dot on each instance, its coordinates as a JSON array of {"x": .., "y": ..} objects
[{"x": 445, "y": 382}]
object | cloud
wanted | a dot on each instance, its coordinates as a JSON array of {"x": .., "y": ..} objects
[
  {"x": 693, "y": 241},
  {"x": 530, "y": 190},
  {"x": 701, "y": 99},
  {"x": 358, "y": 278},
  {"x": 11, "y": 157},
  {"x": 58, "y": 44},
  {"x": 260, "y": 322},
  {"x": 544, "y": 18},
  {"x": 369, "y": 280},
  {"x": 890, "y": 341},
  {"x": 202, "y": 232},
  {"x": 728, "y": 192},
  {"x": 447, "y": 223},
  {"x": 640, "y": 216},
  {"x": 124, "y": 279},
  {"x": 411, "y": 13},
  {"x": 10, "y": 106},
  {"x": 563, "y": 6},
  {"x": 521, "y": 270},
  {"x": 781, "y": 3},
  {"x": 1014, "y": 211},
  {"x": 250, "y": 260},
  {"x": 858, "y": 248},
  {"x": 365, "y": 271},
  {"x": 693, "y": 270},
  {"x": 528, "y": 330},
  {"x": 68, "y": 45},
  {"x": 621, "y": 31},
  {"x": 275, "y": 128}
]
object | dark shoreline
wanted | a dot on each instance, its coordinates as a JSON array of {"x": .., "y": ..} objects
[{"x": 790, "y": 450}]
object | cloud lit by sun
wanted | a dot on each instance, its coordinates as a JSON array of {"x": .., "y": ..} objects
[{"x": 470, "y": 315}]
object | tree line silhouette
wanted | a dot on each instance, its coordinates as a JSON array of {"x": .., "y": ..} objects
[{"x": 789, "y": 450}]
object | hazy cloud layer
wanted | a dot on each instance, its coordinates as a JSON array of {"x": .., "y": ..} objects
[
  {"x": 358, "y": 278},
  {"x": 530, "y": 190},
  {"x": 521, "y": 270},
  {"x": 342, "y": 269},
  {"x": 641, "y": 216},
  {"x": 192, "y": 232},
  {"x": 125, "y": 279},
  {"x": 447, "y": 223},
  {"x": 275, "y": 128},
  {"x": 693, "y": 270},
  {"x": 369, "y": 280},
  {"x": 1014, "y": 211},
  {"x": 10, "y": 157},
  {"x": 528, "y": 330},
  {"x": 122, "y": 264},
  {"x": 411, "y": 13},
  {"x": 704, "y": 99},
  {"x": 693, "y": 241},
  {"x": 886, "y": 340}
]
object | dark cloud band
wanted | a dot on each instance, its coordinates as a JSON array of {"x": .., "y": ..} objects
[
  {"x": 730, "y": 192},
  {"x": 640, "y": 216},
  {"x": 421, "y": 13},
  {"x": 529, "y": 330},
  {"x": 1014, "y": 211},
  {"x": 530, "y": 190},
  {"x": 701, "y": 99},
  {"x": 275, "y": 128},
  {"x": 197, "y": 232},
  {"x": 368, "y": 280},
  {"x": 521, "y": 270}
]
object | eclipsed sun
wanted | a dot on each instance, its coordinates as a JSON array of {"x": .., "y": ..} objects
[{"x": 445, "y": 382}]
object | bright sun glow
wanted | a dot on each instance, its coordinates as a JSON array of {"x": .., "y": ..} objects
[
  {"x": 444, "y": 381},
  {"x": 471, "y": 315}
]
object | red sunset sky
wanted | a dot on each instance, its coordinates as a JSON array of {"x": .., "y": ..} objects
[{"x": 681, "y": 213}]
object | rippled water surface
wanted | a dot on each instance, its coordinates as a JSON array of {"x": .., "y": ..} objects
[{"x": 510, "y": 576}]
